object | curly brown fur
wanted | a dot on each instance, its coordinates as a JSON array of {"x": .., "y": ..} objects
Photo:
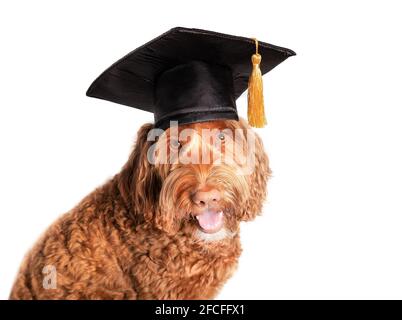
[{"x": 135, "y": 236}]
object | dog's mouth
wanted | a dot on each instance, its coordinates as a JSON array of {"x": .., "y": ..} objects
[{"x": 210, "y": 221}]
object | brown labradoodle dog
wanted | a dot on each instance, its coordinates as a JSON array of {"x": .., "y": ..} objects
[{"x": 155, "y": 230}]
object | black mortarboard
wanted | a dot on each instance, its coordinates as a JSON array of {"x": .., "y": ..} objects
[{"x": 188, "y": 75}]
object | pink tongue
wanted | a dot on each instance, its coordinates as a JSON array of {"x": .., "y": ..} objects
[{"x": 210, "y": 220}]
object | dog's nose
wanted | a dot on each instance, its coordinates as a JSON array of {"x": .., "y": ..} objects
[{"x": 207, "y": 198}]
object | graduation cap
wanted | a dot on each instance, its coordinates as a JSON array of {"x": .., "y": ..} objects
[{"x": 191, "y": 75}]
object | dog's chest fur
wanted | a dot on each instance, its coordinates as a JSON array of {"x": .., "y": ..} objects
[{"x": 182, "y": 268}]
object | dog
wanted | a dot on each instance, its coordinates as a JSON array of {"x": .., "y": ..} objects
[{"x": 156, "y": 230}]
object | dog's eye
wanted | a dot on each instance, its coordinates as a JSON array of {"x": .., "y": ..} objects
[
  {"x": 221, "y": 136},
  {"x": 175, "y": 144}
]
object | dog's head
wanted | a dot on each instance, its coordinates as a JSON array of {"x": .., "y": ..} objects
[{"x": 201, "y": 179}]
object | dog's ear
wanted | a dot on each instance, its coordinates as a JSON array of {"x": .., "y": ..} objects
[
  {"x": 258, "y": 177},
  {"x": 139, "y": 182}
]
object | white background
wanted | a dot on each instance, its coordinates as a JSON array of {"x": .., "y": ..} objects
[{"x": 332, "y": 225}]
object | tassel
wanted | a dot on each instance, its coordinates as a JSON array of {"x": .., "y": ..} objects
[{"x": 255, "y": 112}]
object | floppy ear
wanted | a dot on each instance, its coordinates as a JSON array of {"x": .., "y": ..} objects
[
  {"x": 258, "y": 178},
  {"x": 139, "y": 182}
]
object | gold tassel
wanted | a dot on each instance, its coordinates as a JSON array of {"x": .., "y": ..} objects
[{"x": 255, "y": 112}]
